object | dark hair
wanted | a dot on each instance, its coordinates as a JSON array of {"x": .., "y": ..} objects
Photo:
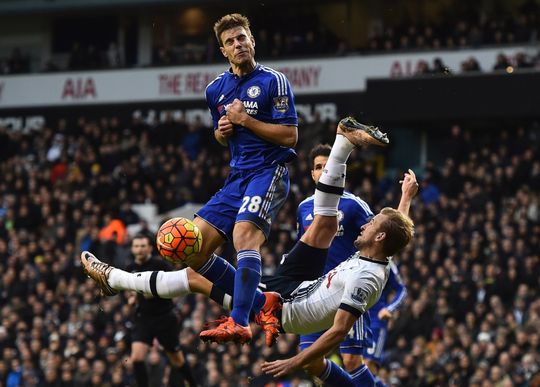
[
  {"x": 399, "y": 229},
  {"x": 142, "y": 236},
  {"x": 319, "y": 150},
  {"x": 229, "y": 21}
]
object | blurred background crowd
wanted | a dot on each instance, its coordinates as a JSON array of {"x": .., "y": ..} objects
[
  {"x": 299, "y": 34},
  {"x": 473, "y": 312}
]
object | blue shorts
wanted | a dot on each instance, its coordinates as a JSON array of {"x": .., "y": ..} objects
[
  {"x": 253, "y": 196},
  {"x": 375, "y": 351},
  {"x": 355, "y": 342}
]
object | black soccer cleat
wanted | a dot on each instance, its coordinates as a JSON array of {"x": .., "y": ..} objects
[{"x": 360, "y": 134}]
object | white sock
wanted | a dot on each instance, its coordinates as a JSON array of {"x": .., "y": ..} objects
[
  {"x": 341, "y": 150},
  {"x": 168, "y": 284},
  {"x": 227, "y": 302},
  {"x": 336, "y": 166},
  {"x": 334, "y": 174},
  {"x": 325, "y": 204}
]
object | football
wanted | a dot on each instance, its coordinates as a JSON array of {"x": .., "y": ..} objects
[{"x": 177, "y": 239}]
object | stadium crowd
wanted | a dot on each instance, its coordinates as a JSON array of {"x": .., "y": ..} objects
[
  {"x": 307, "y": 36},
  {"x": 472, "y": 317}
]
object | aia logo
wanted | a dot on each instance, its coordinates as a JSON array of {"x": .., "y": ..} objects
[
  {"x": 79, "y": 88},
  {"x": 330, "y": 276}
]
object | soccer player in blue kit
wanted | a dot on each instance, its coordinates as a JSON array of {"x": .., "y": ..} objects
[{"x": 253, "y": 111}]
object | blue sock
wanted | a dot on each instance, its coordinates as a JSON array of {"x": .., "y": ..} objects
[
  {"x": 258, "y": 301},
  {"x": 379, "y": 382},
  {"x": 334, "y": 375},
  {"x": 246, "y": 280},
  {"x": 363, "y": 377},
  {"x": 220, "y": 272}
]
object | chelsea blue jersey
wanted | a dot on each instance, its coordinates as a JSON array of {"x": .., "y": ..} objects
[
  {"x": 396, "y": 284},
  {"x": 353, "y": 213},
  {"x": 268, "y": 97}
]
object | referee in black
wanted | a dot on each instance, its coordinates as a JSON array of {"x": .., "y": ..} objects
[{"x": 155, "y": 318}]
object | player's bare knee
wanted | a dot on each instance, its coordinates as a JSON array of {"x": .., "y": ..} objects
[
  {"x": 315, "y": 367},
  {"x": 196, "y": 261},
  {"x": 247, "y": 236},
  {"x": 138, "y": 351},
  {"x": 195, "y": 280},
  {"x": 211, "y": 240}
]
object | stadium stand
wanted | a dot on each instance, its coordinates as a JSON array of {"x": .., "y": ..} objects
[
  {"x": 473, "y": 271},
  {"x": 310, "y": 37}
]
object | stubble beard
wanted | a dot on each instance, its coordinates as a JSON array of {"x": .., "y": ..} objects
[
  {"x": 362, "y": 244},
  {"x": 247, "y": 62}
]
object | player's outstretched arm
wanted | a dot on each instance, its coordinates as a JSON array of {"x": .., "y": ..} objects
[
  {"x": 409, "y": 188},
  {"x": 284, "y": 135},
  {"x": 343, "y": 322}
]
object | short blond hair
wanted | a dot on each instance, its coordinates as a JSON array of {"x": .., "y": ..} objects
[
  {"x": 229, "y": 21},
  {"x": 399, "y": 229}
]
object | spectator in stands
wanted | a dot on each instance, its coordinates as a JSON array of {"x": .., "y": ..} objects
[
  {"x": 18, "y": 62},
  {"x": 114, "y": 57},
  {"x": 163, "y": 57},
  {"x": 501, "y": 63},
  {"x": 50, "y": 66},
  {"x": 77, "y": 57},
  {"x": 470, "y": 65},
  {"x": 523, "y": 61},
  {"x": 422, "y": 68},
  {"x": 439, "y": 67}
]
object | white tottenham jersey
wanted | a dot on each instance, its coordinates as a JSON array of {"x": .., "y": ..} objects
[{"x": 354, "y": 285}]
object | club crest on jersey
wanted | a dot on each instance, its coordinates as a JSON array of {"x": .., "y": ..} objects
[
  {"x": 359, "y": 295},
  {"x": 281, "y": 103},
  {"x": 340, "y": 215},
  {"x": 254, "y": 91}
]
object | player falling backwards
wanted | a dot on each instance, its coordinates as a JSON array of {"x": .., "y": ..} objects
[
  {"x": 333, "y": 301},
  {"x": 253, "y": 112},
  {"x": 353, "y": 212},
  {"x": 366, "y": 339}
]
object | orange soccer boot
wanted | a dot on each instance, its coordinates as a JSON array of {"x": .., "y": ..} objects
[{"x": 267, "y": 317}]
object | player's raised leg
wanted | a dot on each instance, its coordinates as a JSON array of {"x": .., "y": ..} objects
[
  {"x": 349, "y": 134},
  {"x": 162, "y": 284},
  {"x": 174, "y": 284}
]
